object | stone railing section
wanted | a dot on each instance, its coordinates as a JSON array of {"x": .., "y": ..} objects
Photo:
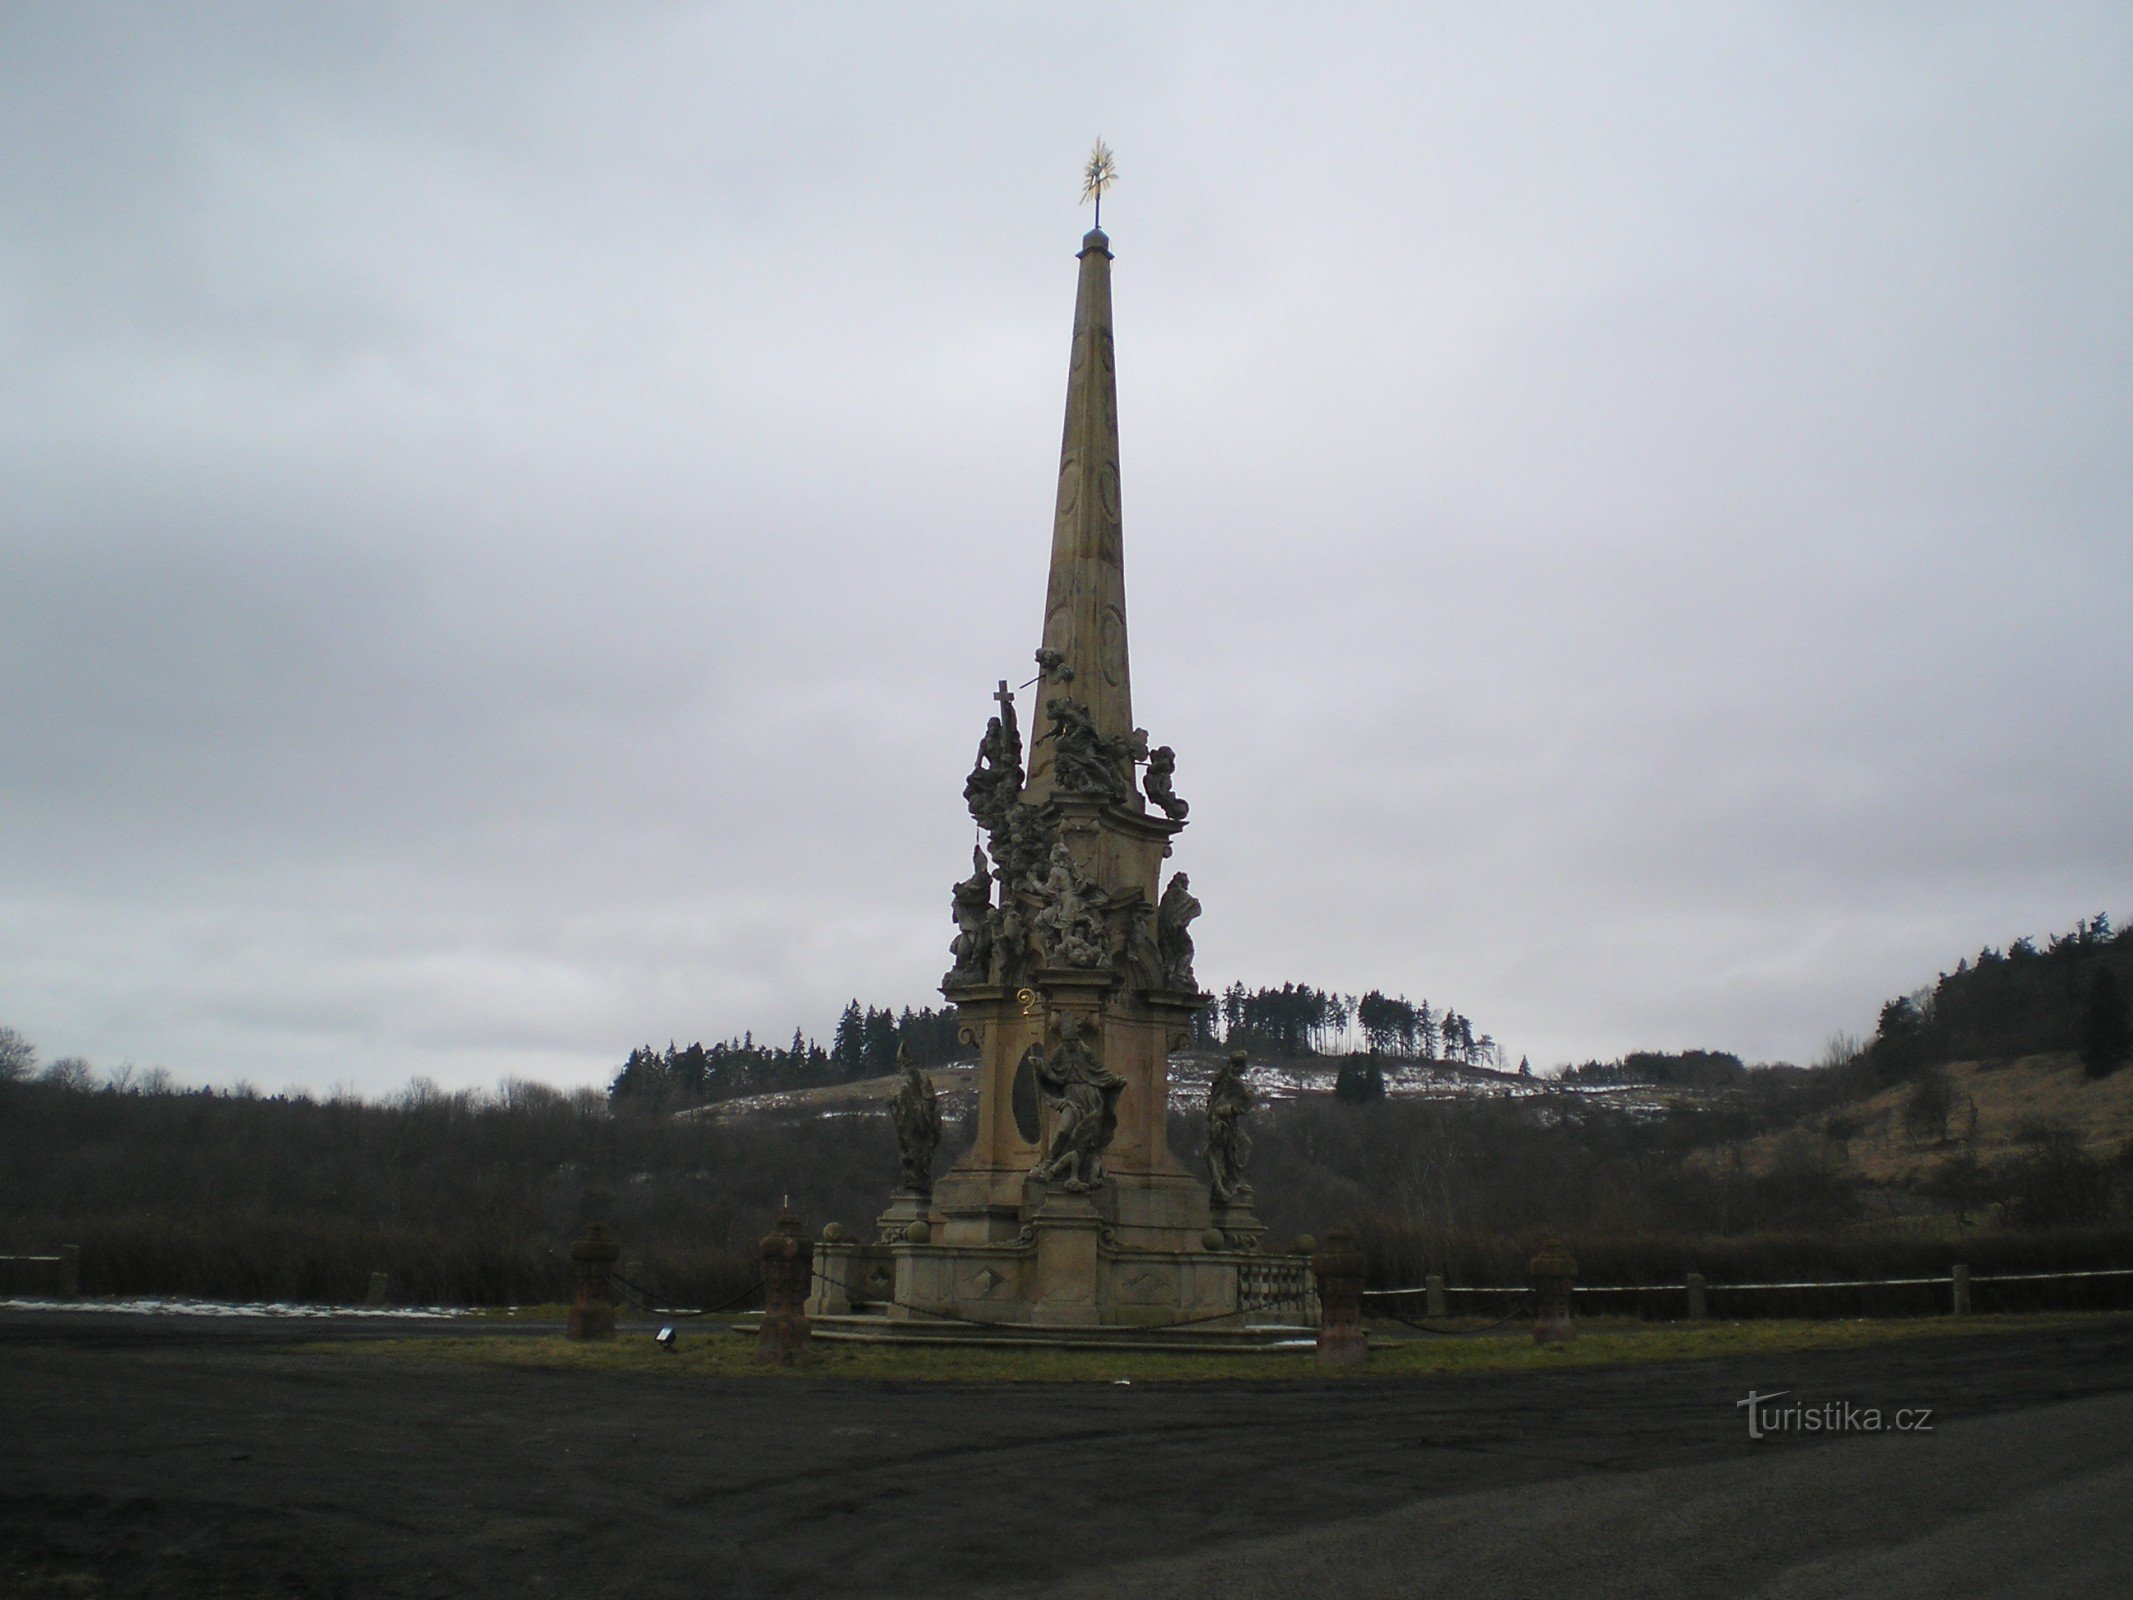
[{"x": 1277, "y": 1289}]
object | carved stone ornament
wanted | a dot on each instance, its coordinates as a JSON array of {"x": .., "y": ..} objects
[
  {"x": 1083, "y": 1098},
  {"x": 1229, "y": 1143},
  {"x": 1068, "y": 924},
  {"x": 917, "y": 1113},
  {"x": 1162, "y": 764},
  {"x": 974, "y": 924},
  {"x": 1172, "y": 917}
]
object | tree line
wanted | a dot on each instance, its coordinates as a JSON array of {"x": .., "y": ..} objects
[
  {"x": 1298, "y": 1020},
  {"x": 1293, "y": 1021},
  {"x": 864, "y": 1045},
  {"x": 2070, "y": 995},
  {"x": 1698, "y": 1069}
]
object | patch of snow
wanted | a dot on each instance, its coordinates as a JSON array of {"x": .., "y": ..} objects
[{"x": 229, "y": 1308}]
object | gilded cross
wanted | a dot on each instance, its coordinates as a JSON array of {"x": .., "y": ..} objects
[{"x": 1097, "y": 176}]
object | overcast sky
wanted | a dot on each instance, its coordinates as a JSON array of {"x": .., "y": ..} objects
[{"x": 510, "y": 516}]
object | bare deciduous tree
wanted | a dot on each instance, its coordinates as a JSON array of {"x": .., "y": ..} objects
[{"x": 18, "y": 1057}]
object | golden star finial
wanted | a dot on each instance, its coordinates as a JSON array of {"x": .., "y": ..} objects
[{"x": 1097, "y": 176}]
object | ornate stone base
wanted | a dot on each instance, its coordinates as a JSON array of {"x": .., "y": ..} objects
[
  {"x": 1067, "y": 1266},
  {"x": 906, "y": 1218},
  {"x": 1238, "y": 1225}
]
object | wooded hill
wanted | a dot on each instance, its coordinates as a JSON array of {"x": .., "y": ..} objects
[
  {"x": 1871, "y": 1163},
  {"x": 1294, "y": 1021}
]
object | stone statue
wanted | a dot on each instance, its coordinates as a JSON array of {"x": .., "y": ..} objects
[
  {"x": 1068, "y": 924},
  {"x": 917, "y": 1112},
  {"x": 995, "y": 781},
  {"x": 1162, "y": 763},
  {"x": 1126, "y": 755},
  {"x": 1022, "y": 839},
  {"x": 978, "y": 787},
  {"x": 1229, "y": 1102},
  {"x": 1172, "y": 917},
  {"x": 1083, "y": 761},
  {"x": 1083, "y": 1098},
  {"x": 1140, "y": 964},
  {"x": 973, "y": 923},
  {"x": 1010, "y": 942}
]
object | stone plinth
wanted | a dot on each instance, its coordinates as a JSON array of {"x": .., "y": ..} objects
[
  {"x": 1554, "y": 1273},
  {"x": 1338, "y": 1267},
  {"x": 593, "y": 1258},
  {"x": 788, "y": 1270}
]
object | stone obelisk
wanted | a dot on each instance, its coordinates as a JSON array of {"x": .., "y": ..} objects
[{"x": 1073, "y": 974}]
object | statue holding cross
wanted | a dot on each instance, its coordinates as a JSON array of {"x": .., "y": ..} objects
[{"x": 995, "y": 781}]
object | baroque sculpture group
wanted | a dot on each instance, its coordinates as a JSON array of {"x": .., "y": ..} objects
[{"x": 1073, "y": 979}]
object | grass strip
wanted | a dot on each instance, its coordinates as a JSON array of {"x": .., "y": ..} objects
[{"x": 710, "y": 1353}]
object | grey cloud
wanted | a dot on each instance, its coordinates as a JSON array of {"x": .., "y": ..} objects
[{"x": 509, "y": 516}]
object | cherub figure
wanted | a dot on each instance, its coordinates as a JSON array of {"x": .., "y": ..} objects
[{"x": 1156, "y": 784}]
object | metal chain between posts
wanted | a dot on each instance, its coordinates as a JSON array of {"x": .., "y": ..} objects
[
  {"x": 748, "y": 1293},
  {"x": 1516, "y": 1303}
]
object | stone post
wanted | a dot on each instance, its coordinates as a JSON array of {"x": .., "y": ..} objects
[
  {"x": 379, "y": 1291},
  {"x": 1554, "y": 1271},
  {"x": 1961, "y": 1298},
  {"x": 1339, "y": 1271},
  {"x": 1699, "y": 1303},
  {"x": 1435, "y": 1303},
  {"x": 836, "y": 1260},
  {"x": 592, "y": 1313},
  {"x": 788, "y": 1272},
  {"x": 69, "y": 1271}
]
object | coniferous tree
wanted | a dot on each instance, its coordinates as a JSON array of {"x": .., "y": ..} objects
[
  {"x": 2106, "y": 1040},
  {"x": 848, "y": 1043}
]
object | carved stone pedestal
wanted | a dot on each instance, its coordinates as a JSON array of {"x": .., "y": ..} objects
[
  {"x": 1066, "y": 1284},
  {"x": 1238, "y": 1225},
  {"x": 906, "y": 1219}
]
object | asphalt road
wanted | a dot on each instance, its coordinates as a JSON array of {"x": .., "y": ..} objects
[{"x": 150, "y": 1458}]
